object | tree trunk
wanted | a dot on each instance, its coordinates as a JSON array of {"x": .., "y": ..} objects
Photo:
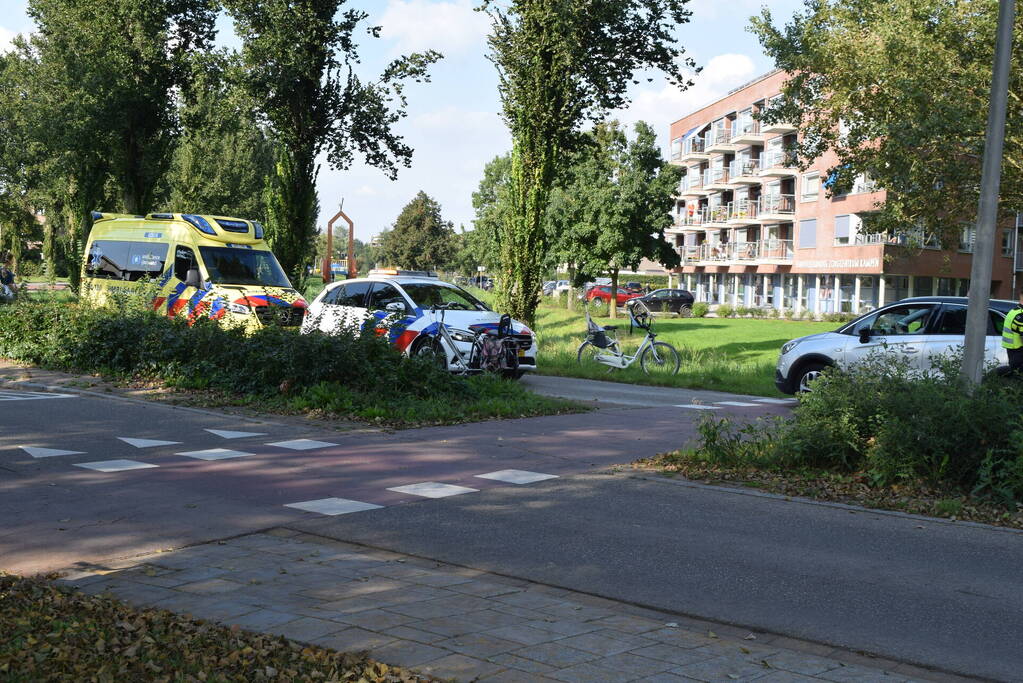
[
  {"x": 612, "y": 304},
  {"x": 570, "y": 302}
]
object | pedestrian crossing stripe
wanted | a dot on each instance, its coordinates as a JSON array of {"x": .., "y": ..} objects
[
  {"x": 30, "y": 395},
  {"x": 697, "y": 406}
]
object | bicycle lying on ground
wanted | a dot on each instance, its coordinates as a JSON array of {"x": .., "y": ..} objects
[
  {"x": 601, "y": 346},
  {"x": 490, "y": 351}
]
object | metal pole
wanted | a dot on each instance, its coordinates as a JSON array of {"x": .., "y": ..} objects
[{"x": 987, "y": 211}]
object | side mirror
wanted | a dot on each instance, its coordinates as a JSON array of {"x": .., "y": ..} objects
[
  {"x": 864, "y": 335},
  {"x": 395, "y": 307},
  {"x": 193, "y": 279}
]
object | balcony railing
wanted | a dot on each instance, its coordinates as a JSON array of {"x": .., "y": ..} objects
[
  {"x": 718, "y": 214},
  {"x": 913, "y": 238},
  {"x": 694, "y": 145},
  {"x": 715, "y": 176},
  {"x": 778, "y": 158},
  {"x": 763, "y": 250},
  {"x": 775, "y": 249},
  {"x": 743, "y": 209},
  {"x": 695, "y": 217},
  {"x": 778, "y": 204},
  {"x": 744, "y": 168},
  {"x": 744, "y": 251},
  {"x": 693, "y": 181}
]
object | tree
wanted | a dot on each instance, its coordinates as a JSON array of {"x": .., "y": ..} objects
[
  {"x": 559, "y": 64},
  {"x": 613, "y": 212},
  {"x": 224, "y": 158},
  {"x": 898, "y": 89},
  {"x": 420, "y": 239},
  {"x": 483, "y": 243},
  {"x": 300, "y": 63}
]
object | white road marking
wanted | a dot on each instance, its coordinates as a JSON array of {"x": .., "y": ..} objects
[
  {"x": 146, "y": 443},
  {"x": 777, "y": 401},
  {"x": 516, "y": 476},
  {"x": 115, "y": 465},
  {"x": 302, "y": 444},
  {"x": 697, "y": 406},
  {"x": 227, "y": 434},
  {"x": 333, "y": 506},
  {"x": 432, "y": 489},
  {"x": 736, "y": 403},
  {"x": 215, "y": 454},
  {"x": 47, "y": 452},
  {"x": 30, "y": 395}
]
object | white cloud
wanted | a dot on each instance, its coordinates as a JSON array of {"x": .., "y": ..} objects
[
  {"x": 448, "y": 27},
  {"x": 366, "y": 190},
  {"x": 6, "y": 39},
  {"x": 661, "y": 106}
]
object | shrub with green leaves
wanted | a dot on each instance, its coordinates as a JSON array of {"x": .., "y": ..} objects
[
  {"x": 700, "y": 309},
  {"x": 725, "y": 311},
  {"x": 885, "y": 418}
]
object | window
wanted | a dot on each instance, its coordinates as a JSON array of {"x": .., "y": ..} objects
[
  {"x": 923, "y": 286},
  {"x": 353, "y": 294},
  {"x": 811, "y": 186},
  {"x": 237, "y": 266},
  {"x": 1007, "y": 243},
  {"x": 184, "y": 259},
  {"x": 384, "y": 294},
  {"x": 676, "y": 148},
  {"x": 808, "y": 233},
  {"x": 426, "y": 294},
  {"x": 953, "y": 321},
  {"x": 946, "y": 286},
  {"x": 331, "y": 296},
  {"x": 842, "y": 230},
  {"x": 122, "y": 260},
  {"x": 898, "y": 321}
]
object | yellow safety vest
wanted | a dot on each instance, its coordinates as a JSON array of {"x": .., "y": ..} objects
[{"x": 1012, "y": 331}]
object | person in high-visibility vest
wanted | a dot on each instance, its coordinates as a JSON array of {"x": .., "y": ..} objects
[{"x": 1012, "y": 337}]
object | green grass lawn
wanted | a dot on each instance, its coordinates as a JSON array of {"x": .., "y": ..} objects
[{"x": 724, "y": 354}]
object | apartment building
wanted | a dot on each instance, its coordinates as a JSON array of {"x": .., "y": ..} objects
[{"x": 753, "y": 230}]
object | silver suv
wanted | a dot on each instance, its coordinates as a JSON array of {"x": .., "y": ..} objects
[{"x": 919, "y": 329}]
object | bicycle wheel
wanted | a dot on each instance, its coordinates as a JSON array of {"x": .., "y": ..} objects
[
  {"x": 587, "y": 351},
  {"x": 660, "y": 358},
  {"x": 431, "y": 350}
]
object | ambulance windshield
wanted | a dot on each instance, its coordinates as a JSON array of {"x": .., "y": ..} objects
[{"x": 241, "y": 266}]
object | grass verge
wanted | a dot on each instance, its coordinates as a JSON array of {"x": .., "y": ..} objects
[
  {"x": 722, "y": 354},
  {"x": 52, "y": 632}
]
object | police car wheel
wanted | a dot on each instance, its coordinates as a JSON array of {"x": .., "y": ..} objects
[{"x": 430, "y": 349}]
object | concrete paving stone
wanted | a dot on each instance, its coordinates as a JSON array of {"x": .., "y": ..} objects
[
  {"x": 406, "y": 632},
  {"x": 430, "y": 609},
  {"x": 102, "y": 586},
  {"x": 80, "y": 579},
  {"x": 786, "y": 643},
  {"x": 859, "y": 674},
  {"x": 488, "y": 619},
  {"x": 679, "y": 656},
  {"x": 210, "y": 586},
  {"x": 387, "y": 599},
  {"x": 916, "y": 673},
  {"x": 263, "y": 619},
  {"x": 165, "y": 578},
  {"x": 452, "y": 626},
  {"x": 440, "y": 580},
  {"x": 749, "y": 651},
  {"x": 629, "y": 624},
  {"x": 605, "y": 642},
  {"x": 528, "y": 614},
  {"x": 680, "y": 637},
  {"x": 468, "y": 603},
  {"x": 484, "y": 589},
  {"x": 225, "y": 610},
  {"x": 800, "y": 663},
  {"x": 589, "y": 673},
  {"x": 574, "y": 610},
  {"x": 408, "y": 653},
  {"x": 513, "y": 676},
  {"x": 281, "y": 532},
  {"x": 521, "y": 664},
  {"x": 306, "y": 629},
  {"x": 554, "y": 654},
  {"x": 723, "y": 670},
  {"x": 354, "y": 640},
  {"x": 525, "y": 635},
  {"x": 666, "y": 677},
  {"x": 199, "y": 606},
  {"x": 563, "y": 627},
  {"x": 198, "y": 572},
  {"x": 529, "y": 600},
  {"x": 478, "y": 645},
  {"x": 632, "y": 664},
  {"x": 141, "y": 594},
  {"x": 460, "y": 667},
  {"x": 354, "y": 589},
  {"x": 398, "y": 571},
  {"x": 787, "y": 677},
  {"x": 376, "y": 619}
]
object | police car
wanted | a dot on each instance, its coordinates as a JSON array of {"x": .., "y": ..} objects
[{"x": 399, "y": 303}]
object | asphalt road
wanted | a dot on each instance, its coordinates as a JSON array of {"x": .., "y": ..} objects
[{"x": 627, "y": 394}]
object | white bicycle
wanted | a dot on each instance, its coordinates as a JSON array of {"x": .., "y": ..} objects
[{"x": 601, "y": 346}]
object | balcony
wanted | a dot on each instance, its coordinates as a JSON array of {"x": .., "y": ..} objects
[
  {"x": 717, "y": 216},
  {"x": 775, "y": 250},
  {"x": 693, "y": 150},
  {"x": 744, "y": 172},
  {"x": 743, "y": 212},
  {"x": 692, "y": 219},
  {"x": 781, "y": 128},
  {"x": 747, "y": 132},
  {"x": 744, "y": 251},
  {"x": 778, "y": 163},
  {"x": 715, "y": 252},
  {"x": 692, "y": 185},
  {"x": 690, "y": 254},
  {"x": 716, "y": 180},
  {"x": 720, "y": 141},
  {"x": 777, "y": 208}
]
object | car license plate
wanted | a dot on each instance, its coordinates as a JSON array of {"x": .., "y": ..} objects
[{"x": 522, "y": 353}]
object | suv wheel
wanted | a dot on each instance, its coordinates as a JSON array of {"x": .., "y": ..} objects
[{"x": 807, "y": 374}]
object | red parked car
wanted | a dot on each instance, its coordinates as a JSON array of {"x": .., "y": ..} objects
[{"x": 602, "y": 293}]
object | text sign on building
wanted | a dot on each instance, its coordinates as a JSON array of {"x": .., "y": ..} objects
[{"x": 834, "y": 264}]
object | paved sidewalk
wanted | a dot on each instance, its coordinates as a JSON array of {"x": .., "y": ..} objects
[{"x": 452, "y": 622}]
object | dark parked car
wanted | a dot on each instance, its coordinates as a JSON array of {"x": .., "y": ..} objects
[
  {"x": 634, "y": 288},
  {"x": 668, "y": 301}
]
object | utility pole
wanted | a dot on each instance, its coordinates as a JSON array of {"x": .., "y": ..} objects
[{"x": 987, "y": 210}]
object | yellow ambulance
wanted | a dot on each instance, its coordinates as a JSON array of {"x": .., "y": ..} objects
[{"x": 191, "y": 265}]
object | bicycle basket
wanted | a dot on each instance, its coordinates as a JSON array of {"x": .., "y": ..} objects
[{"x": 491, "y": 352}]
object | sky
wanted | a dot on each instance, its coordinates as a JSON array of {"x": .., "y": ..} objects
[{"x": 454, "y": 123}]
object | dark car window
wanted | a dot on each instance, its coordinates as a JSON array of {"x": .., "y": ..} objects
[
  {"x": 122, "y": 260},
  {"x": 953, "y": 321},
  {"x": 331, "y": 296},
  {"x": 384, "y": 294},
  {"x": 353, "y": 294},
  {"x": 184, "y": 259}
]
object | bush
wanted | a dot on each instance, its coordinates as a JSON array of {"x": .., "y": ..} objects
[
  {"x": 886, "y": 419},
  {"x": 725, "y": 311},
  {"x": 700, "y": 309}
]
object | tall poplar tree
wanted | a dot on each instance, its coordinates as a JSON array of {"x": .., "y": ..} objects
[
  {"x": 421, "y": 239},
  {"x": 560, "y": 64},
  {"x": 300, "y": 58}
]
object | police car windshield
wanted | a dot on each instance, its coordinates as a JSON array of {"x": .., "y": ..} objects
[
  {"x": 427, "y": 294},
  {"x": 237, "y": 266}
]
